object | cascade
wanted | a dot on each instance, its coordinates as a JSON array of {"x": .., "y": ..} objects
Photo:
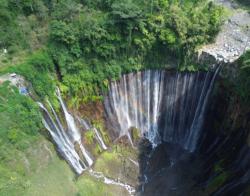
[
  {"x": 73, "y": 130},
  {"x": 65, "y": 146},
  {"x": 66, "y": 139},
  {"x": 164, "y": 105}
]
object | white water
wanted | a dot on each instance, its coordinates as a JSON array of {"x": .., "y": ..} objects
[
  {"x": 99, "y": 139},
  {"x": 106, "y": 180},
  {"x": 168, "y": 106},
  {"x": 66, "y": 139},
  {"x": 73, "y": 130},
  {"x": 65, "y": 146}
]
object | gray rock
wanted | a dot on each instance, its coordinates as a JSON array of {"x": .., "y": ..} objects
[{"x": 232, "y": 40}]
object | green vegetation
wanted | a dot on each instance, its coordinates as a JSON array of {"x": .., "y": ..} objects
[
  {"x": 217, "y": 181},
  {"x": 20, "y": 126},
  {"x": 100, "y": 40},
  {"x": 20, "y": 118},
  {"x": 80, "y": 45},
  {"x": 22, "y": 25},
  {"x": 86, "y": 43},
  {"x": 90, "y": 136},
  {"x": 243, "y": 82},
  {"x": 37, "y": 170},
  {"x": 37, "y": 70},
  {"x": 101, "y": 128}
]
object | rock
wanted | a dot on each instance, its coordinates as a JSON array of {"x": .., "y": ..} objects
[{"x": 232, "y": 40}]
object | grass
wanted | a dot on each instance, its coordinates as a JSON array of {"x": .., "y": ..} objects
[
  {"x": 38, "y": 171},
  {"x": 55, "y": 179},
  {"x": 10, "y": 60}
]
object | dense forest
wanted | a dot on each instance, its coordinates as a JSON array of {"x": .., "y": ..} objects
[
  {"x": 80, "y": 46},
  {"x": 86, "y": 43}
]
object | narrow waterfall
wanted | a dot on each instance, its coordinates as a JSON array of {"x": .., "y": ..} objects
[
  {"x": 66, "y": 140},
  {"x": 73, "y": 130},
  {"x": 163, "y": 105},
  {"x": 65, "y": 146},
  {"x": 98, "y": 136},
  {"x": 99, "y": 139}
]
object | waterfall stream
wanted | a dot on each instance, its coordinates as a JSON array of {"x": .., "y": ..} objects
[
  {"x": 100, "y": 175},
  {"x": 65, "y": 146},
  {"x": 73, "y": 130},
  {"x": 66, "y": 139}
]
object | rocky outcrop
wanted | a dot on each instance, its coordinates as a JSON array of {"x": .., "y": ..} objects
[
  {"x": 233, "y": 39},
  {"x": 16, "y": 80}
]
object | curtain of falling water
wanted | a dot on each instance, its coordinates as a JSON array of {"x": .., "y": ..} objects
[{"x": 168, "y": 106}]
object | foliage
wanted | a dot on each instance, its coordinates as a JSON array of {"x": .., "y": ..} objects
[
  {"x": 15, "y": 22},
  {"x": 10, "y": 32},
  {"x": 91, "y": 42},
  {"x": 20, "y": 116},
  {"x": 218, "y": 181},
  {"x": 243, "y": 83},
  {"x": 90, "y": 136},
  {"x": 100, "y": 40},
  {"x": 19, "y": 128},
  {"x": 37, "y": 70}
]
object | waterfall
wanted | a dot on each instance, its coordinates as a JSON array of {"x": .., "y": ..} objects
[
  {"x": 99, "y": 139},
  {"x": 65, "y": 146},
  {"x": 66, "y": 140},
  {"x": 164, "y": 105},
  {"x": 73, "y": 130}
]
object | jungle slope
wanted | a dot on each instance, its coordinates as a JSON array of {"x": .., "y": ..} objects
[{"x": 79, "y": 47}]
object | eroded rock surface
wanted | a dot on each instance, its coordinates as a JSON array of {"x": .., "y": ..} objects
[{"x": 233, "y": 39}]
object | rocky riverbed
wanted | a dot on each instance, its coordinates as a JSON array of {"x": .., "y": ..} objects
[{"x": 233, "y": 39}]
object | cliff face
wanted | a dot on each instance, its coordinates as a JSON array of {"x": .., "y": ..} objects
[{"x": 227, "y": 131}]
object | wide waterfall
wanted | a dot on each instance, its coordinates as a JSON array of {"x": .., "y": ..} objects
[
  {"x": 66, "y": 139},
  {"x": 163, "y": 105}
]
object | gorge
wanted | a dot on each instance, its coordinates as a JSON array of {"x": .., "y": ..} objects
[
  {"x": 124, "y": 98},
  {"x": 168, "y": 109}
]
